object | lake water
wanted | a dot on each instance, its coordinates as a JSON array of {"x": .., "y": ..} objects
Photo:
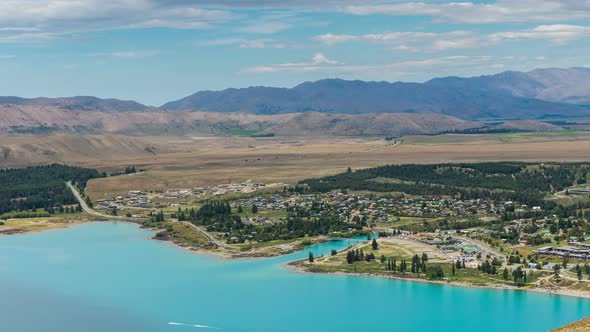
[{"x": 109, "y": 277}]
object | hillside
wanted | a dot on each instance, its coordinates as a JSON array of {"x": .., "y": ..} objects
[
  {"x": 19, "y": 120},
  {"x": 537, "y": 94},
  {"x": 77, "y": 103}
]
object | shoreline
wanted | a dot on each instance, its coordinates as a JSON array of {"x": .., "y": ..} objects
[{"x": 295, "y": 266}]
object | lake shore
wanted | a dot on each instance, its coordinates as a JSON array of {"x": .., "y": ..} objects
[{"x": 299, "y": 267}]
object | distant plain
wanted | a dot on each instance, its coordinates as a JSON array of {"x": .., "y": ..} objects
[{"x": 184, "y": 162}]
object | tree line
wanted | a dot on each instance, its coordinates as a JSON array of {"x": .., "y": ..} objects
[{"x": 41, "y": 187}]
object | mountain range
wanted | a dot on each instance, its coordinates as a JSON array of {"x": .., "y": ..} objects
[
  {"x": 537, "y": 94},
  {"x": 329, "y": 106}
]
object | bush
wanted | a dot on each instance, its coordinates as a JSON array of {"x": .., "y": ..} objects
[
  {"x": 434, "y": 273},
  {"x": 306, "y": 241}
]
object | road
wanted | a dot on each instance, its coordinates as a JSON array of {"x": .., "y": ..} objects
[
  {"x": 483, "y": 248},
  {"x": 207, "y": 235},
  {"x": 92, "y": 211}
]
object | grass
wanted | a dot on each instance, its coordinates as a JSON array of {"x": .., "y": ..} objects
[
  {"x": 184, "y": 235},
  {"x": 243, "y": 132},
  {"x": 23, "y": 225}
]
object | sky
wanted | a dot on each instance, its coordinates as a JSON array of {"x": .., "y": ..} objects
[{"x": 154, "y": 51}]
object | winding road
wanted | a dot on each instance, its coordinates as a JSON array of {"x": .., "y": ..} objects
[{"x": 93, "y": 212}]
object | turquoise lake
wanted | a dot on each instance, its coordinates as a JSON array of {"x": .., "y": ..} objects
[{"x": 110, "y": 277}]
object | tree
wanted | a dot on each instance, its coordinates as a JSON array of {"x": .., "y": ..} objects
[
  {"x": 310, "y": 257},
  {"x": 369, "y": 237},
  {"x": 556, "y": 271},
  {"x": 434, "y": 272},
  {"x": 114, "y": 211},
  {"x": 579, "y": 273},
  {"x": 254, "y": 209},
  {"x": 458, "y": 263},
  {"x": 382, "y": 258},
  {"x": 564, "y": 262},
  {"x": 375, "y": 245},
  {"x": 453, "y": 268},
  {"x": 350, "y": 257},
  {"x": 240, "y": 209},
  {"x": 519, "y": 276},
  {"x": 89, "y": 202},
  {"x": 334, "y": 252},
  {"x": 505, "y": 274}
]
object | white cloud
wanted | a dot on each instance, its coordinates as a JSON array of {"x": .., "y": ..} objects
[
  {"x": 434, "y": 42},
  {"x": 320, "y": 59},
  {"x": 450, "y": 65},
  {"x": 265, "y": 27},
  {"x": 478, "y": 13},
  {"x": 557, "y": 33},
  {"x": 248, "y": 43},
  {"x": 318, "y": 62},
  {"x": 126, "y": 54},
  {"x": 7, "y": 56},
  {"x": 21, "y": 19}
]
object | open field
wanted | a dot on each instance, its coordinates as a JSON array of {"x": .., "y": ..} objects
[{"x": 184, "y": 162}]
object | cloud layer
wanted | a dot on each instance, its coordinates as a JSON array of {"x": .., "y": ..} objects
[{"x": 434, "y": 42}]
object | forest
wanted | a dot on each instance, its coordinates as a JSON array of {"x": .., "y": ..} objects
[
  {"x": 502, "y": 181},
  {"x": 41, "y": 187}
]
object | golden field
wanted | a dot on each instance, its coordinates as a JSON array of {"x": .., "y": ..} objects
[{"x": 184, "y": 162}]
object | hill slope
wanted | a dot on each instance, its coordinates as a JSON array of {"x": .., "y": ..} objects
[
  {"x": 78, "y": 103},
  {"x": 48, "y": 120}
]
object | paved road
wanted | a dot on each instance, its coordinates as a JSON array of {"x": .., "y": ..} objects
[
  {"x": 209, "y": 236},
  {"x": 92, "y": 211}
]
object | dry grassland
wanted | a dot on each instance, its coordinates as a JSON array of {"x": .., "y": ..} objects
[{"x": 184, "y": 162}]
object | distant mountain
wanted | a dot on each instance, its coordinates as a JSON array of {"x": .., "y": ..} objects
[
  {"x": 537, "y": 94},
  {"x": 78, "y": 103}
]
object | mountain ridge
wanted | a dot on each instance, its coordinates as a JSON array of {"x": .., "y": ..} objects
[
  {"x": 511, "y": 94},
  {"x": 537, "y": 94}
]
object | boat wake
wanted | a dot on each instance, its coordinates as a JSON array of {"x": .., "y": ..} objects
[{"x": 193, "y": 325}]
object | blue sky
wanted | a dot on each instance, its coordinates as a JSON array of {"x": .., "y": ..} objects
[{"x": 155, "y": 51}]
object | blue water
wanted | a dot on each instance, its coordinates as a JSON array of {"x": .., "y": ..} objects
[{"x": 109, "y": 277}]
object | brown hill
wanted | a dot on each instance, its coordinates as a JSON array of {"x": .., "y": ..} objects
[{"x": 18, "y": 119}]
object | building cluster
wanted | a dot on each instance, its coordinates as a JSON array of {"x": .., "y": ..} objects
[
  {"x": 134, "y": 199},
  {"x": 375, "y": 209},
  {"x": 576, "y": 250}
]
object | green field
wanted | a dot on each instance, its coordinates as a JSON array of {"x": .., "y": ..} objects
[{"x": 243, "y": 132}]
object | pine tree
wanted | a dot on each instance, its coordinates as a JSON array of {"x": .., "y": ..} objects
[
  {"x": 453, "y": 268},
  {"x": 375, "y": 245},
  {"x": 310, "y": 257}
]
